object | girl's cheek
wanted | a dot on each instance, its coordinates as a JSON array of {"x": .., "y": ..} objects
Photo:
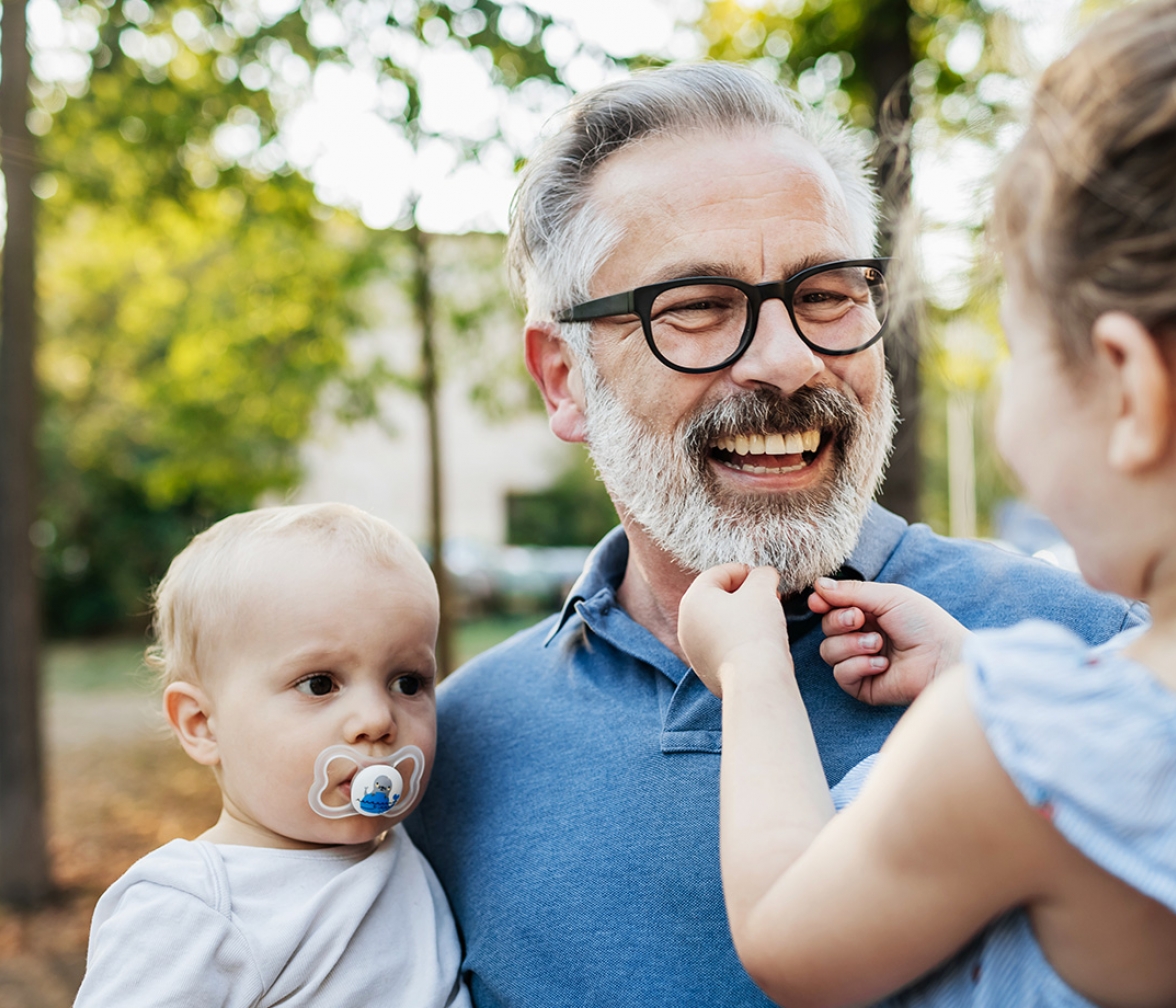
[{"x": 1004, "y": 425}]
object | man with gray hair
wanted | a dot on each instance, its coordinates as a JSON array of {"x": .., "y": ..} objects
[{"x": 706, "y": 312}]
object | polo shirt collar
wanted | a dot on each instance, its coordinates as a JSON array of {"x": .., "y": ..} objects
[
  {"x": 603, "y": 571},
  {"x": 605, "y": 567}
]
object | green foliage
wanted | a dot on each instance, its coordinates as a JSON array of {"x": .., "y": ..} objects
[
  {"x": 197, "y": 298},
  {"x": 187, "y": 352},
  {"x": 838, "y": 53},
  {"x": 193, "y": 310},
  {"x": 574, "y": 511}
]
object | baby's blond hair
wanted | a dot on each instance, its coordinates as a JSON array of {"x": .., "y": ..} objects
[{"x": 202, "y": 587}]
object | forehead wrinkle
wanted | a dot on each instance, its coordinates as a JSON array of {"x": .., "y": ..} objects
[
  {"x": 728, "y": 269},
  {"x": 795, "y": 195}
]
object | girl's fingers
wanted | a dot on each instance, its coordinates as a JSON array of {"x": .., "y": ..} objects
[
  {"x": 726, "y": 577},
  {"x": 850, "y": 673},
  {"x": 835, "y": 650},
  {"x": 765, "y": 578},
  {"x": 840, "y": 621},
  {"x": 871, "y": 596}
]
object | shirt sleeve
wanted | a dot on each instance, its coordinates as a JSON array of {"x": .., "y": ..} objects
[{"x": 155, "y": 945}]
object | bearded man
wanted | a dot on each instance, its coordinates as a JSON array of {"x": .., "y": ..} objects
[{"x": 704, "y": 310}]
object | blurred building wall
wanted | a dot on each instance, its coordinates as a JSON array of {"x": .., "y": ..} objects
[{"x": 381, "y": 465}]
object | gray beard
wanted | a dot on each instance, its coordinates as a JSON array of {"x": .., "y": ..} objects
[{"x": 672, "y": 492}]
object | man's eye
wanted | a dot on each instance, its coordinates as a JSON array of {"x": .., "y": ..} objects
[
  {"x": 817, "y": 297},
  {"x": 316, "y": 685},
  {"x": 406, "y": 685}
]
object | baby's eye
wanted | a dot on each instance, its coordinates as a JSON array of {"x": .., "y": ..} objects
[
  {"x": 406, "y": 685},
  {"x": 319, "y": 684}
]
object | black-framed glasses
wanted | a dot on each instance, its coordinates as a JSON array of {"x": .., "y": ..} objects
[{"x": 702, "y": 324}]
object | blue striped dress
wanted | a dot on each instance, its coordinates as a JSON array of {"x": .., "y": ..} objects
[{"x": 1089, "y": 737}]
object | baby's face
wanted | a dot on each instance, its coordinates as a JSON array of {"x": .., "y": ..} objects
[{"x": 330, "y": 648}]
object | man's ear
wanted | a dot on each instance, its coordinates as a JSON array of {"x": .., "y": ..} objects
[
  {"x": 557, "y": 373},
  {"x": 188, "y": 711},
  {"x": 1141, "y": 378}
]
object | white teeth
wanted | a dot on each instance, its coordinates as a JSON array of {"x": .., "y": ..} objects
[
  {"x": 770, "y": 444},
  {"x": 765, "y": 469}
]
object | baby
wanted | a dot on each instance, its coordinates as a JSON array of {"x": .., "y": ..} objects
[
  {"x": 295, "y": 646},
  {"x": 1015, "y": 844}
]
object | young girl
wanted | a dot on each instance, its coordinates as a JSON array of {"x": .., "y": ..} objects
[{"x": 1016, "y": 842}]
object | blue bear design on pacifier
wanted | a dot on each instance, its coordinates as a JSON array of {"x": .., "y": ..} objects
[{"x": 376, "y": 784}]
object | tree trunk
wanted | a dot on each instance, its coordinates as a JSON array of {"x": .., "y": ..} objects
[
  {"x": 423, "y": 302},
  {"x": 24, "y": 862},
  {"x": 887, "y": 59}
]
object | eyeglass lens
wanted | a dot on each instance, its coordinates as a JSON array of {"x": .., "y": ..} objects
[{"x": 702, "y": 325}]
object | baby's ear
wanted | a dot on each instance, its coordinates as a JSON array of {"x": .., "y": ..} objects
[
  {"x": 1141, "y": 429},
  {"x": 188, "y": 711}
]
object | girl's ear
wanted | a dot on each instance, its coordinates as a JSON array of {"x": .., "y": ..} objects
[
  {"x": 188, "y": 711},
  {"x": 1141, "y": 429}
]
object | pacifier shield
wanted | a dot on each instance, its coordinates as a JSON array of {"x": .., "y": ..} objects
[
  {"x": 377, "y": 786},
  {"x": 376, "y": 789}
]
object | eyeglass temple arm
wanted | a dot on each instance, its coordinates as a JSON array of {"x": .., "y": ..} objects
[{"x": 614, "y": 304}]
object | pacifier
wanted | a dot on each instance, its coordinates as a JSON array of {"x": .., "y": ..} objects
[{"x": 377, "y": 787}]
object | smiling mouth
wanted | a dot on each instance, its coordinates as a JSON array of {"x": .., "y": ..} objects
[{"x": 767, "y": 452}]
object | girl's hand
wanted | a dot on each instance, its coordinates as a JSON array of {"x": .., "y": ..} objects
[
  {"x": 732, "y": 613},
  {"x": 884, "y": 641}
]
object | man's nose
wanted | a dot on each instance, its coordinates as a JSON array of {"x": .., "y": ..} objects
[{"x": 777, "y": 357}]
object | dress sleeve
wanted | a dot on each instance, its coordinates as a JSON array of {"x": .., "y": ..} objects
[
  {"x": 155, "y": 945},
  {"x": 1089, "y": 738},
  {"x": 846, "y": 790}
]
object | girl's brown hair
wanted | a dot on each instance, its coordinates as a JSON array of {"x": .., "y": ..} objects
[{"x": 1086, "y": 203}]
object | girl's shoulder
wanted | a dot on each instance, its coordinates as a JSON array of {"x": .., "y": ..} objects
[{"x": 1089, "y": 737}]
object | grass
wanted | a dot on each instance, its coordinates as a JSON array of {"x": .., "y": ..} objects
[
  {"x": 116, "y": 665},
  {"x": 480, "y": 635},
  {"x": 84, "y": 666}
]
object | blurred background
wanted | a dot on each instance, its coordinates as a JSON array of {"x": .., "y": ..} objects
[{"x": 268, "y": 240}]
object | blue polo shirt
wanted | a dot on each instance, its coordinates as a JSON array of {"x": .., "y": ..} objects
[{"x": 572, "y": 814}]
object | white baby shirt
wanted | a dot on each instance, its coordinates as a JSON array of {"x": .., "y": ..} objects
[{"x": 200, "y": 924}]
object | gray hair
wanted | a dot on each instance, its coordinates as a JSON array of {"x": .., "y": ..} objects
[{"x": 559, "y": 238}]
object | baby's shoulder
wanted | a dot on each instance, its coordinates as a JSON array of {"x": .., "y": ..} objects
[{"x": 178, "y": 869}]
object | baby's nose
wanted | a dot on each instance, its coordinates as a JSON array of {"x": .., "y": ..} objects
[{"x": 371, "y": 720}]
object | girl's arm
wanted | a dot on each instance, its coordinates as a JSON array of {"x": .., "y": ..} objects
[
  {"x": 939, "y": 843},
  {"x": 774, "y": 799}
]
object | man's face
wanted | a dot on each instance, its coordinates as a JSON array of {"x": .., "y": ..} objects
[{"x": 774, "y": 459}]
